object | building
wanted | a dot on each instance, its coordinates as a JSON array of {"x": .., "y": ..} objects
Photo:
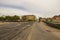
[
  {"x": 29, "y": 18},
  {"x": 56, "y": 18}
]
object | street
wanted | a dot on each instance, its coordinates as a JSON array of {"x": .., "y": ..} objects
[
  {"x": 28, "y": 31},
  {"x": 15, "y": 31},
  {"x": 40, "y": 31}
]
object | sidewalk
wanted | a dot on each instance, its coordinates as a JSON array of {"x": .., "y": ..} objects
[{"x": 52, "y": 30}]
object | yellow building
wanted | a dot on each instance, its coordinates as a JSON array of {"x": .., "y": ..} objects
[{"x": 29, "y": 18}]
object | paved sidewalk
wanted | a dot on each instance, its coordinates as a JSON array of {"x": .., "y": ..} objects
[{"x": 52, "y": 30}]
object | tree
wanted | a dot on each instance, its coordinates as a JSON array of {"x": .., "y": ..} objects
[
  {"x": 7, "y": 18},
  {"x": 12, "y": 18},
  {"x": 15, "y": 18},
  {"x": 40, "y": 19},
  {"x": 2, "y": 18}
]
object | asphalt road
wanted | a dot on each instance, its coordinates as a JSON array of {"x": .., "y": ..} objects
[
  {"x": 40, "y": 32},
  {"x": 15, "y": 30},
  {"x": 26, "y": 31}
]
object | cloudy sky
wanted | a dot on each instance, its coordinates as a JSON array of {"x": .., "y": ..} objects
[{"x": 43, "y": 8}]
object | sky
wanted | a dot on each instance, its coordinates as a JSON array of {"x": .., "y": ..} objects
[{"x": 40, "y": 8}]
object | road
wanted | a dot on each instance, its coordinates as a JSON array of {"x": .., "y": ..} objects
[
  {"x": 15, "y": 30},
  {"x": 40, "y": 31},
  {"x": 28, "y": 31}
]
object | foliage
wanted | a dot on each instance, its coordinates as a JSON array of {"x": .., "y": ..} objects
[
  {"x": 2, "y": 18},
  {"x": 49, "y": 20},
  {"x": 9, "y": 18}
]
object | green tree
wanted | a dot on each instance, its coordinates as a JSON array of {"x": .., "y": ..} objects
[
  {"x": 2, "y": 18},
  {"x": 15, "y": 18},
  {"x": 8, "y": 18},
  {"x": 12, "y": 18}
]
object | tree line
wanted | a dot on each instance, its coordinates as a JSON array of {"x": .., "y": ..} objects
[{"x": 9, "y": 18}]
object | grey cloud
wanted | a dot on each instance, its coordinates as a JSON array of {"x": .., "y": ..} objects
[{"x": 45, "y": 8}]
